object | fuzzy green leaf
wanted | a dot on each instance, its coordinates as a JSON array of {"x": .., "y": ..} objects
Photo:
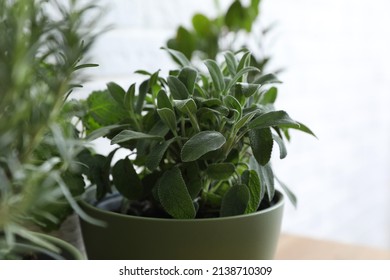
[
  {"x": 232, "y": 103},
  {"x": 239, "y": 76},
  {"x": 216, "y": 75},
  {"x": 269, "y": 96},
  {"x": 128, "y": 135},
  {"x": 299, "y": 126},
  {"x": 174, "y": 196},
  {"x": 235, "y": 201},
  {"x": 267, "y": 79},
  {"x": 168, "y": 117},
  {"x": 200, "y": 144},
  {"x": 261, "y": 143},
  {"x": 126, "y": 180},
  {"x": 220, "y": 171},
  {"x": 251, "y": 179},
  {"x": 244, "y": 120},
  {"x": 188, "y": 77},
  {"x": 163, "y": 100},
  {"x": 246, "y": 89},
  {"x": 273, "y": 118},
  {"x": 178, "y": 89},
  {"x": 231, "y": 63},
  {"x": 128, "y": 101},
  {"x": 186, "y": 106},
  {"x": 156, "y": 154}
]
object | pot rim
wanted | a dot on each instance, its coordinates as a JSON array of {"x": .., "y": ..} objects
[{"x": 88, "y": 205}]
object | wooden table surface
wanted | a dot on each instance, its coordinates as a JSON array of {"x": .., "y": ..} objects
[{"x": 293, "y": 247}]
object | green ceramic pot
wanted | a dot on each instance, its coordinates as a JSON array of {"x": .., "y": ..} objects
[
  {"x": 24, "y": 248},
  {"x": 252, "y": 236}
]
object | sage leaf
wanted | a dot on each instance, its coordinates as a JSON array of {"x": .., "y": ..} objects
[
  {"x": 188, "y": 77},
  {"x": 232, "y": 103},
  {"x": 231, "y": 63},
  {"x": 273, "y": 118},
  {"x": 174, "y": 196},
  {"x": 220, "y": 171},
  {"x": 179, "y": 57},
  {"x": 267, "y": 79},
  {"x": 251, "y": 179},
  {"x": 200, "y": 144},
  {"x": 261, "y": 142},
  {"x": 117, "y": 93},
  {"x": 163, "y": 100},
  {"x": 235, "y": 201},
  {"x": 186, "y": 106},
  {"x": 178, "y": 89},
  {"x": 282, "y": 146},
  {"x": 128, "y": 135},
  {"x": 126, "y": 179},
  {"x": 216, "y": 75},
  {"x": 154, "y": 158},
  {"x": 269, "y": 96},
  {"x": 291, "y": 196},
  {"x": 168, "y": 117}
]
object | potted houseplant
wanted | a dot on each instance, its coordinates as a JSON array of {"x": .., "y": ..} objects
[
  {"x": 196, "y": 181},
  {"x": 40, "y": 51}
]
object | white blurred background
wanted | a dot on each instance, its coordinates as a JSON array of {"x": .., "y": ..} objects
[{"x": 336, "y": 80}]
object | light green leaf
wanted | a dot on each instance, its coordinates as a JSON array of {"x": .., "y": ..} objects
[
  {"x": 251, "y": 179},
  {"x": 179, "y": 57},
  {"x": 129, "y": 98},
  {"x": 231, "y": 63},
  {"x": 128, "y": 135},
  {"x": 266, "y": 176},
  {"x": 156, "y": 154},
  {"x": 168, "y": 117},
  {"x": 245, "y": 61},
  {"x": 200, "y": 144},
  {"x": 178, "y": 89},
  {"x": 246, "y": 89},
  {"x": 216, "y": 75},
  {"x": 174, "y": 196},
  {"x": 282, "y": 146},
  {"x": 235, "y": 201},
  {"x": 202, "y": 25},
  {"x": 273, "y": 118},
  {"x": 126, "y": 180},
  {"x": 261, "y": 143},
  {"x": 220, "y": 171}
]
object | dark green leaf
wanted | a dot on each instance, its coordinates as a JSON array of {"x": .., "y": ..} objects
[
  {"x": 200, "y": 144},
  {"x": 168, "y": 117},
  {"x": 104, "y": 131},
  {"x": 251, "y": 179},
  {"x": 128, "y": 135},
  {"x": 156, "y": 154},
  {"x": 236, "y": 17},
  {"x": 174, "y": 196},
  {"x": 244, "y": 120},
  {"x": 188, "y": 77},
  {"x": 178, "y": 89},
  {"x": 129, "y": 98},
  {"x": 246, "y": 89},
  {"x": 232, "y": 103},
  {"x": 235, "y": 201},
  {"x": 267, "y": 79},
  {"x": 126, "y": 180},
  {"x": 216, "y": 75},
  {"x": 299, "y": 126},
  {"x": 143, "y": 90},
  {"x": 186, "y": 106},
  {"x": 261, "y": 143},
  {"x": 274, "y": 118},
  {"x": 220, "y": 171},
  {"x": 163, "y": 100},
  {"x": 239, "y": 75}
]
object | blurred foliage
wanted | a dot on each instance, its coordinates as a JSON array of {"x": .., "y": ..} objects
[
  {"x": 42, "y": 44},
  {"x": 209, "y": 36}
]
